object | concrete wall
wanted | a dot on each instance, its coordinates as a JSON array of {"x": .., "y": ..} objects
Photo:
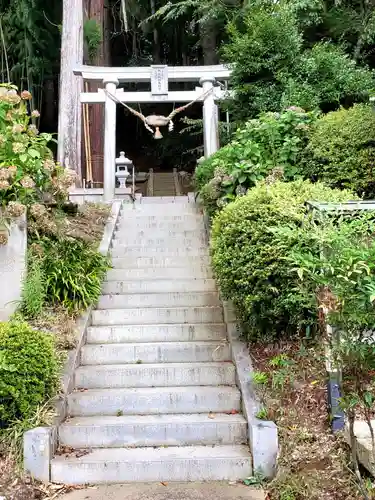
[{"x": 12, "y": 267}]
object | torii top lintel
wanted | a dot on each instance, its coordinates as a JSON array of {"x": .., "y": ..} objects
[{"x": 143, "y": 74}]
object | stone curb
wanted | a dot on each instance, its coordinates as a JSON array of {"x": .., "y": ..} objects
[
  {"x": 39, "y": 444},
  {"x": 263, "y": 436},
  {"x": 365, "y": 452}
]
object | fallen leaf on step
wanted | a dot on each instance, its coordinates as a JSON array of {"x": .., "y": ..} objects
[
  {"x": 232, "y": 412},
  {"x": 82, "y": 453},
  {"x": 163, "y": 483},
  {"x": 211, "y": 415}
]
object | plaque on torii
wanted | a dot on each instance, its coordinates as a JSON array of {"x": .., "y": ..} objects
[{"x": 159, "y": 80}]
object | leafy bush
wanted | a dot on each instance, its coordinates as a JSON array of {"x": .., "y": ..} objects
[
  {"x": 334, "y": 258},
  {"x": 341, "y": 151},
  {"x": 28, "y": 371},
  {"x": 250, "y": 263},
  {"x": 74, "y": 272},
  {"x": 273, "y": 141}
]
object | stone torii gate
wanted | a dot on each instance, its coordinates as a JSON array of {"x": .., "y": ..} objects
[{"x": 208, "y": 77}]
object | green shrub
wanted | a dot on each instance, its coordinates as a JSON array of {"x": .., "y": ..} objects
[
  {"x": 250, "y": 264},
  {"x": 272, "y": 68},
  {"x": 334, "y": 258},
  {"x": 341, "y": 151},
  {"x": 74, "y": 272},
  {"x": 273, "y": 141},
  {"x": 28, "y": 371}
]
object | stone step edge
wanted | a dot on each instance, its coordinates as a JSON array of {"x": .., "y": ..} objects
[
  {"x": 211, "y": 417},
  {"x": 113, "y": 329}
]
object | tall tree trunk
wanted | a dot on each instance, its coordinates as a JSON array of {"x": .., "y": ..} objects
[
  {"x": 208, "y": 34},
  {"x": 97, "y": 10},
  {"x": 70, "y": 112},
  {"x": 156, "y": 45}
]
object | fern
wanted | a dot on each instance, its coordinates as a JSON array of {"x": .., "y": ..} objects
[{"x": 203, "y": 11}]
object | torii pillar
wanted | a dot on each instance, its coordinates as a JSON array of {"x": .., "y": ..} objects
[
  {"x": 109, "y": 140},
  {"x": 210, "y": 117}
]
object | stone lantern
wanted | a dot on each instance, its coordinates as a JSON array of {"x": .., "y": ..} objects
[{"x": 122, "y": 169}]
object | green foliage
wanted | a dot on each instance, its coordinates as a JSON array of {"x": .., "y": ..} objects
[
  {"x": 93, "y": 38},
  {"x": 28, "y": 173},
  {"x": 272, "y": 70},
  {"x": 74, "y": 271},
  {"x": 251, "y": 267},
  {"x": 263, "y": 45},
  {"x": 326, "y": 77},
  {"x": 273, "y": 141},
  {"x": 341, "y": 150},
  {"x": 30, "y": 45},
  {"x": 334, "y": 258},
  {"x": 34, "y": 287},
  {"x": 28, "y": 371}
]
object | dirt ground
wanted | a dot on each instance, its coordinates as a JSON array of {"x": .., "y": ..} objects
[{"x": 313, "y": 463}]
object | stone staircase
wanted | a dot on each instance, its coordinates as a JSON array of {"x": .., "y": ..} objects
[{"x": 155, "y": 396}]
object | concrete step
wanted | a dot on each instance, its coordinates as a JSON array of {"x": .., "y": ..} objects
[
  {"x": 161, "y": 262},
  {"x": 179, "y": 232},
  {"x": 153, "y": 430},
  {"x": 162, "y": 251},
  {"x": 156, "y": 333},
  {"x": 186, "y": 463},
  {"x": 144, "y": 232},
  {"x": 159, "y": 273},
  {"x": 164, "y": 200},
  {"x": 149, "y": 316},
  {"x": 156, "y": 285},
  {"x": 134, "y": 219},
  {"x": 156, "y": 352},
  {"x": 135, "y": 215},
  {"x": 173, "y": 241},
  {"x": 190, "y": 222},
  {"x": 159, "y": 211},
  {"x": 219, "y": 490},
  {"x": 172, "y": 299},
  {"x": 150, "y": 208},
  {"x": 154, "y": 401},
  {"x": 154, "y": 375}
]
